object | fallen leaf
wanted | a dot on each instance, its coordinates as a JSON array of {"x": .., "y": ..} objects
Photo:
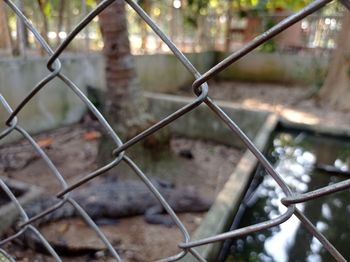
[
  {"x": 45, "y": 142},
  {"x": 92, "y": 135}
]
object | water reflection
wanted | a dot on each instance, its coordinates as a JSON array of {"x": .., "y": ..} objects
[{"x": 295, "y": 156}]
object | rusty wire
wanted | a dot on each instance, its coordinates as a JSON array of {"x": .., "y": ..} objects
[{"x": 200, "y": 89}]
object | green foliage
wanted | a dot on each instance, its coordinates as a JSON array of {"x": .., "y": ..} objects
[
  {"x": 47, "y": 8},
  {"x": 251, "y": 4},
  {"x": 285, "y": 4},
  {"x": 91, "y": 3},
  {"x": 195, "y": 8},
  {"x": 269, "y": 46}
]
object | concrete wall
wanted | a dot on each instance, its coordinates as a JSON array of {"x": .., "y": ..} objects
[
  {"x": 277, "y": 68},
  {"x": 165, "y": 73},
  {"x": 56, "y": 105}
]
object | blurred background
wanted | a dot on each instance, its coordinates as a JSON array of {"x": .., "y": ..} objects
[{"x": 193, "y": 25}]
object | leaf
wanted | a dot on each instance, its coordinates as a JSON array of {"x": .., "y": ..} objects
[
  {"x": 92, "y": 135},
  {"x": 45, "y": 142},
  {"x": 91, "y": 3},
  {"x": 47, "y": 9}
]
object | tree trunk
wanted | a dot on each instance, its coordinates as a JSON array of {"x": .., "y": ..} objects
[
  {"x": 228, "y": 28},
  {"x": 60, "y": 21},
  {"x": 124, "y": 103},
  {"x": 336, "y": 89},
  {"x": 45, "y": 27},
  {"x": 146, "y": 6},
  {"x": 172, "y": 27},
  {"x": 86, "y": 31},
  {"x": 124, "y": 106},
  {"x": 5, "y": 41},
  {"x": 20, "y": 43}
]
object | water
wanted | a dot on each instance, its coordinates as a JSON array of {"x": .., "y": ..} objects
[{"x": 294, "y": 155}]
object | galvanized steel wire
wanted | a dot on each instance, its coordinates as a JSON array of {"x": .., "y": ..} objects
[{"x": 200, "y": 89}]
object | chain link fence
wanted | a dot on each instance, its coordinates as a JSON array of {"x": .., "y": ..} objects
[{"x": 200, "y": 88}]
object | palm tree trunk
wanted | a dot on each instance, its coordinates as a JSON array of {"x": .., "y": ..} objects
[
  {"x": 146, "y": 6},
  {"x": 60, "y": 20},
  {"x": 124, "y": 102},
  {"x": 124, "y": 107},
  {"x": 5, "y": 40},
  {"x": 45, "y": 27}
]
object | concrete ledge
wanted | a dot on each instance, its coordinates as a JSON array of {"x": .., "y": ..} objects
[
  {"x": 318, "y": 129},
  {"x": 202, "y": 123},
  {"x": 221, "y": 214}
]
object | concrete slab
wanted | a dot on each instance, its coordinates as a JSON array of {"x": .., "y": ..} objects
[
  {"x": 202, "y": 123},
  {"x": 319, "y": 129}
]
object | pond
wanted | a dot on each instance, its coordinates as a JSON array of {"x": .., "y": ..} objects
[{"x": 299, "y": 158}]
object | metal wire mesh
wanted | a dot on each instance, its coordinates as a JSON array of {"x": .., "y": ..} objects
[{"x": 200, "y": 88}]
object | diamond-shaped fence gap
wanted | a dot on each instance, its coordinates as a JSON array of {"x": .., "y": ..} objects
[
  {"x": 24, "y": 216},
  {"x": 30, "y": 94},
  {"x": 54, "y": 104},
  {"x": 268, "y": 167},
  {"x": 164, "y": 204},
  {"x": 259, "y": 40},
  {"x": 55, "y": 66}
]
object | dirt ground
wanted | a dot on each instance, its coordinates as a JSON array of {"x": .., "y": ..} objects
[
  {"x": 290, "y": 102},
  {"x": 73, "y": 150}
]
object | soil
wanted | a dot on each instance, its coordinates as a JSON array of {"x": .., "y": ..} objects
[{"x": 73, "y": 150}]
